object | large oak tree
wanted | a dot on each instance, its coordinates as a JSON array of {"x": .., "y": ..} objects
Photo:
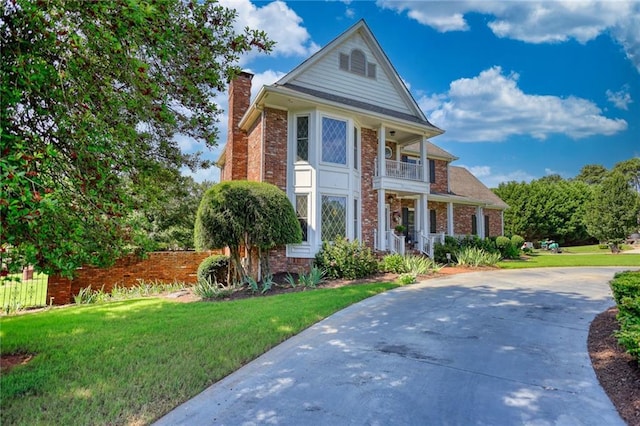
[{"x": 92, "y": 95}]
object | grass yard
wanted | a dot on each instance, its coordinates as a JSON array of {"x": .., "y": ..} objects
[
  {"x": 131, "y": 362},
  {"x": 543, "y": 259},
  {"x": 594, "y": 248}
]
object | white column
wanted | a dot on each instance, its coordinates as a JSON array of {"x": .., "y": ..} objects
[
  {"x": 423, "y": 160},
  {"x": 450, "y": 227},
  {"x": 424, "y": 214},
  {"x": 480, "y": 221},
  {"x": 382, "y": 169},
  {"x": 382, "y": 232}
]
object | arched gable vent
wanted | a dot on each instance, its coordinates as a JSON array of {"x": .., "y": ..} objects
[{"x": 357, "y": 63}]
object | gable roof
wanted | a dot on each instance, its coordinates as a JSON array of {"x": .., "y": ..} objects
[
  {"x": 465, "y": 184},
  {"x": 413, "y": 112},
  {"x": 433, "y": 151}
]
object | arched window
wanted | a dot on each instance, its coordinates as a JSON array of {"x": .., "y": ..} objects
[{"x": 356, "y": 62}]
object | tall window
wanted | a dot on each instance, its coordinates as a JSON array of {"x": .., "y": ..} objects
[
  {"x": 356, "y": 233},
  {"x": 432, "y": 171},
  {"x": 334, "y": 217},
  {"x": 302, "y": 211},
  {"x": 474, "y": 225},
  {"x": 486, "y": 225},
  {"x": 302, "y": 138},
  {"x": 432, "y": 221},
  {"x": 355, "y": 148},
  {"x": 334, "y": 141}
]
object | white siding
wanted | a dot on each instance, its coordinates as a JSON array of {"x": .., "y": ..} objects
[{"x": 326, "y": 76}]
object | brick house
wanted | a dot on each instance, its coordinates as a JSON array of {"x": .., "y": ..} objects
[{"x": 344, "y": 138}]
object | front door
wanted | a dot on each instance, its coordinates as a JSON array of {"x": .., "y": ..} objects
[{"x": 409, "y": 222}]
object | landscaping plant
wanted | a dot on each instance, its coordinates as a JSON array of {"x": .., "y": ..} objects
[
  {"x": 394, "y": 263},
  {"x": 472, "y": 256},
  {"x": 626, "y": 292},
  {"x": 344, "y": 259}
]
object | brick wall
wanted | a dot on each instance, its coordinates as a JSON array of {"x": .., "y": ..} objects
[
  {"x": 462, "y": 219},
  {"x": 166, "y": 267},
  {"x": 495, "y": 223},
  {"x": 442, "y": 176},
  {"x": 441, "y": 215},
  {"x": 275, "y": 143},
  {"x": 236, "y": 149},
  {"x": 369, "y": 201},
  {"x": 254, "y": 152}
]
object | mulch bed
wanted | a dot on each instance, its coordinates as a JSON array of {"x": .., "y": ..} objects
[{"x": 616, "y": 370}]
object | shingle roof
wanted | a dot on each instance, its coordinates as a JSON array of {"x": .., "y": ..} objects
[
  {"x": 463, "y": 183},
  {"x": 359, "y": 104},
  {"x": 432, "y": 151}
]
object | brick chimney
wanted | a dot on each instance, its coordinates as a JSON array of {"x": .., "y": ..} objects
[{"x": 235, "y": 167}]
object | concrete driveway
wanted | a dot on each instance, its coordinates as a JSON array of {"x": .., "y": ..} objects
[{"x": 486, "y": 348}]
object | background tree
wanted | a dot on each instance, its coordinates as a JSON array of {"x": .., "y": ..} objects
[
  {"x": 249, "y": 215},
  {"x": 167, "y": 211},
  {"x": 631, "y": 170},
  {"x": 614, "y": 210},
  {"x": 91, "y": 95},
  {"x": 592, "y": 174},
  {"x": 546, "y": 208}
]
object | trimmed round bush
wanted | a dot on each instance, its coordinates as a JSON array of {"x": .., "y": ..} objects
[
  {"x": 214, "y": 268},
  {"x": 517, "y": 241},
  {"x": 502, "y": 242}
]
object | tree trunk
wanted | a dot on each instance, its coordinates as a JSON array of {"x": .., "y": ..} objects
[{"x": 614, "y": 248}]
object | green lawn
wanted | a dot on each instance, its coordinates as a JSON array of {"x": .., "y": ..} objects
[
  {"x": 594, "y": 248},
  {"x": 132, "y": 361},
  {"x": 541, "y": 259}
]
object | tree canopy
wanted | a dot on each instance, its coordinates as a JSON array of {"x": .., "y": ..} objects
[
  {"x": 546, "y": 208},
  {"x": 93, "y": 93},
  {"x": 614, "y": 211},
  {"x": 237, "y": 214}
]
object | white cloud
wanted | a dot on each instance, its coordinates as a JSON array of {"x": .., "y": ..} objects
[
  {"x": 535, "y": 21},
  {"x": 491, "y": 107},
  {"x": 492, "y": 179},
  {"x": 264, "y": 78},
  {"x": 280, "y": 22},
  {"x": 621, "y": 99}
]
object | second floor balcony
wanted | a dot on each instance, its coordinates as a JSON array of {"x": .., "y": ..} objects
[{"x": 400, "y": 175}]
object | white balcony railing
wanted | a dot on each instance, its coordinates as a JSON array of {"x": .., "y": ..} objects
[{"x": 401, "y": 170}]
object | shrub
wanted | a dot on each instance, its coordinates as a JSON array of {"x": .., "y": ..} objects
[
  {"x": 453, "y": 245},
  {"x": 472, "y": 256},
  {"x": 394, "y": 263},
  {"x": 210, "y": 289},
  {"x": 626, "y": 292},
  {"x": 344, "y": 259},
  {"x": 625, "y": 284},
  {"x": 517, "y": 241},
  {"x": 214, "y": 268},
  {"x": 407, "y": 278},
  {"x": 502, "y": 242},
  {"x": 418, "y": 265}
]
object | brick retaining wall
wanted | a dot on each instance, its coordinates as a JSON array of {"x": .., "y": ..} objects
[{"x": 167, "y": 267}]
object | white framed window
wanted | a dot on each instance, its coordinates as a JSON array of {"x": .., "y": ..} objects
[
  {"x": 356, "y": 144},
  {"x": 334, "y": 141},
  {"x": 333, "y": 217},
  {"x": 302, "y": 212},
  {"x": 302, "y": 138},
  {"x": 356, "y": 219}
]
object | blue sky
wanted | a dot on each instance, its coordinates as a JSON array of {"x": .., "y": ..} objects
[{"x": 522, "y": 88}]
